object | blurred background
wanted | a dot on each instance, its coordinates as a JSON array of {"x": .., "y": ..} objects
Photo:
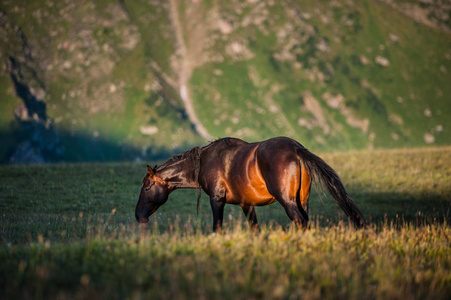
[{"x": 139, "y": 80}]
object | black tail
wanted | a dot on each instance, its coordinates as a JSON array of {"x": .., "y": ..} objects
[{"x": 328, "y": 178}]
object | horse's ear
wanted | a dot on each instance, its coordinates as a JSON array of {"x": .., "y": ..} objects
[{"x": 150, "y": 171}]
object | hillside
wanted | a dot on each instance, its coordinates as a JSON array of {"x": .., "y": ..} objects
[{"x": 110, "y": 80}]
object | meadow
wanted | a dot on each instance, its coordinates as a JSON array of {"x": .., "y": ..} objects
[{"x": 67, "y": 231}]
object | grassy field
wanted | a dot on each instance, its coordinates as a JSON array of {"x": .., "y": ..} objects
[{"x": 68, "y": 231}]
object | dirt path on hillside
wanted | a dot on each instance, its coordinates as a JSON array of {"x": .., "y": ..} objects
[{"x": 188, "y": 57}]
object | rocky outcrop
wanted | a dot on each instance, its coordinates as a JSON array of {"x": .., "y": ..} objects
[{"x": 38, "y": 140}]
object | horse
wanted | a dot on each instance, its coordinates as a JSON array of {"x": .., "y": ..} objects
[{"x": 232, "y": 171}]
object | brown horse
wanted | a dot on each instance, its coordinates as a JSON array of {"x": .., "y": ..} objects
[{"x": 233, "y": 171}]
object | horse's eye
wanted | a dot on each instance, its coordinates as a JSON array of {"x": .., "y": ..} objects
[{"x": 148, "y": 187}]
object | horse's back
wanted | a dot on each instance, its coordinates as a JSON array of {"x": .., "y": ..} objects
[
  {"x": 277, "y": 152},
  {"x": 279, "y": 143}
]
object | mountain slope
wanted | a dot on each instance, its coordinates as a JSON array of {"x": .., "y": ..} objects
[
  {"x": 340, "y": 75},
  {"x": 138, "y": 79}
]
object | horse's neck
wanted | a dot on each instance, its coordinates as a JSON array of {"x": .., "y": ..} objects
[{"x": 181, "y": 174}]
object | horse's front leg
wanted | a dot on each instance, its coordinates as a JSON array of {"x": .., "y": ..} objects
[
  {"x": 217, "y": 206},
  {"x": 251, "y": 216}
]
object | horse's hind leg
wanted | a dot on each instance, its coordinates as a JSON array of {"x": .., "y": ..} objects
[
  {"x": 289, "y": 199},
  {"x": 299, "y": 217},
  {"x": 288, "y": 191},
  {"x": 281, "y": 171},
  {"x": 251, "y": 216},
  {"x": 286, "y": 185},
  {"x": 303, "y": 193}
]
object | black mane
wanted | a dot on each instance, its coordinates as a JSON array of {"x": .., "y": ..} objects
[
  {"x": 194, "y": 152},
  {"x": 191, "y": 153},
  {"x": 227, "y": 140}
]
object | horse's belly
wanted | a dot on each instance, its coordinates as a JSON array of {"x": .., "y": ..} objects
[
  {"x": 251, "y": 196},
  {"x": 262, "y": 202},
  {"x": 251, "y": 202}
]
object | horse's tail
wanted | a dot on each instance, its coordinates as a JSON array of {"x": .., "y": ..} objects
[{"x": 321, "y": 172}]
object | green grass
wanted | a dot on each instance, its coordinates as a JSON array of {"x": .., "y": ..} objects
[{"x": 68, "y": 231}]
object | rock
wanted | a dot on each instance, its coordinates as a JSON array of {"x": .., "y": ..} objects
[
  {"x": 238, "y": 51},
  {"x": 365, "y": 61},
  {"x": 148, "y": 130},
  {"x": 395, "y": 119},
  {"x": 394, "y": 136},
  {"x": 305, "y": 123},
  {"x": 26, "y": 153},
  {"x": 429, "y": 138},
  {"x": 273, "y": 108},
  {"x": 67, "y": 64},
  {"x": 21, "y": 112},
  {"x": 314, "y": 107},
  {"x": 322, "y": 46},
  {"x": 393, "y": 37},
  {"x": 333, "y": 101},
  {"x": 225, "y": 26},
  {"x": 382, "y": 61}
]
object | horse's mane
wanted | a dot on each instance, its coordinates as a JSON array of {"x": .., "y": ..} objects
[
  {"x": 226, "y": 140},
  {"x": 191, "y": 153}
]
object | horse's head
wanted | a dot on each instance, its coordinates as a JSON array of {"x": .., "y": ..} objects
[{"x": 154, "y": 193}]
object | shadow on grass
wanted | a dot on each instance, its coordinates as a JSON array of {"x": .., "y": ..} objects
[
  {"x": 376, "y": 207},
  {"x": 74, "y": 147},
  {"x": 179, "y": 215}
]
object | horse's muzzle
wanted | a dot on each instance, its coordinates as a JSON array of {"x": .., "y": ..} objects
[{"x": 141, "y": 219}]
